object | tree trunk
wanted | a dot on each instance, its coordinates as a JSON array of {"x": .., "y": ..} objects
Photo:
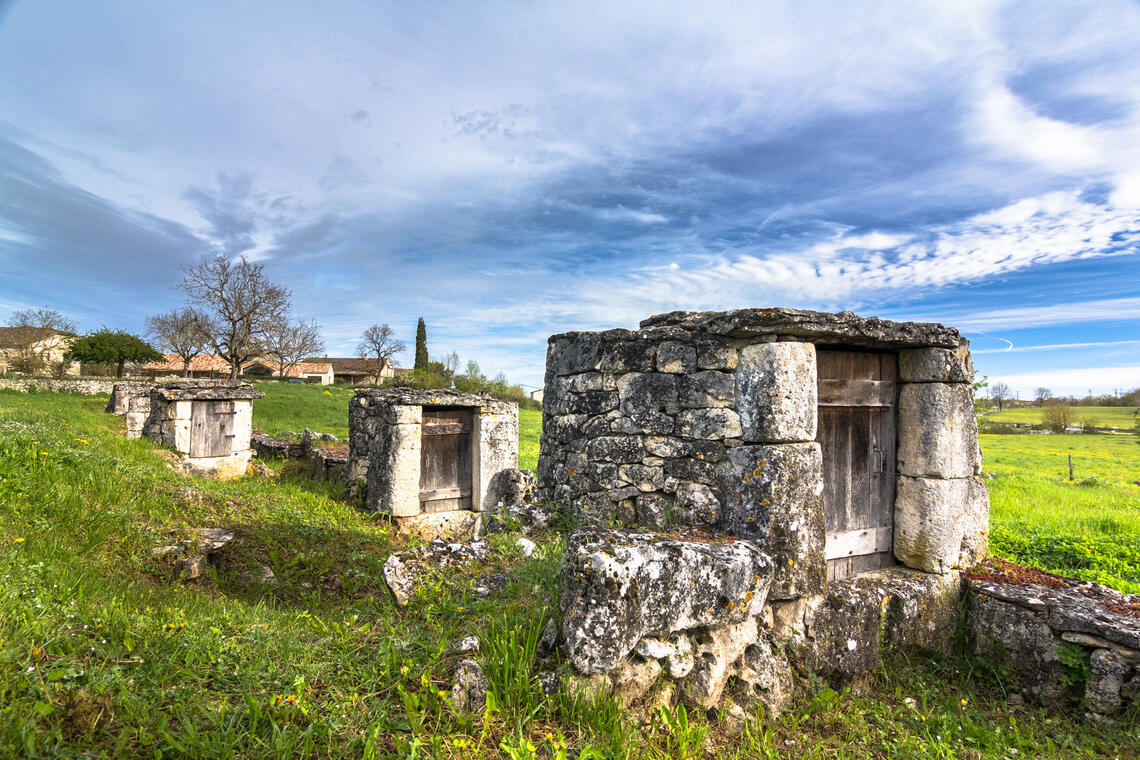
[
  {"x": 119, "y": 370},
  {"x": 185, "y": 367}
]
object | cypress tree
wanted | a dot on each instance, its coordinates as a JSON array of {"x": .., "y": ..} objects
[{"x": 421, "y": 346}]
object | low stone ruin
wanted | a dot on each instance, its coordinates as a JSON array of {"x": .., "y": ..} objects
[
  {"x": 430, "y": 459},
  {"x": 788, "y": 487},
  {"x": 208, "y": 422},
  {"x": 1060, "y": 639},
  {"x": 132, "y": 401}
]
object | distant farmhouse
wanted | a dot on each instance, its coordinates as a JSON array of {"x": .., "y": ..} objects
[
  {"x": 357, "y": 371},
  {"x": 537, "y": 395},
  {"x": 34, "y": 349},
  {"x": 324, "y": 370}
]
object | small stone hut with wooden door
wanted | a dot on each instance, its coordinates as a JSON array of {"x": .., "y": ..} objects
[
  {"x": 430, "y": 459},
  {"x": 782, "y": 476},
  {"x": 208, "y": 422}
]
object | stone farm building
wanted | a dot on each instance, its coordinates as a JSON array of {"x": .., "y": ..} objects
[
  {"x": 356, "y": 371},
  {"x": 34, "y": 349}
]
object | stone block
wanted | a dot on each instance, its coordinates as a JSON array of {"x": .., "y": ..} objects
[
  {"x": 649, "y": 400},
  {"x": 1107, "y": 672},
  {"x": 1022, "y": 641},
  {"x": 717, "y": 651},
  {"x": 707, "y": 389},
  {"x": 592, "y": 381},
  {"x": 937, "y": 431},
  {"x": 941, "y": 525},
  {"x": 635, "y": 355},
  {"x": 616, "y": 448},
  {"x": 676, "y": 358},
  {"x": 619, "y": 587},
  {"x": 935, "y": 365},
  {"x": 713, "y": 354},
  {"x": 776, "y": 392},
  {"x": 646, "y": 478},
  {"x": 712, "y": 424},
  {"x": 655, "y": 511},
  {"x": 399, "y": 414},
  {"x": 572, "y": 353},
  {"x": 774, "y": 497},
  {"x": 695, "y": 505},
  {"x": 456, "y": 525},
  {"x": 660, "y": 446}
]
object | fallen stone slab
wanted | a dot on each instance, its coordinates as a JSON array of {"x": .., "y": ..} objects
[
  {"x": 406, "y": 571},
  {"x": 621, "y": 586}
]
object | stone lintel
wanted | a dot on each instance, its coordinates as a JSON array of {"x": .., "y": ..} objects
[
  {"x": 844, "y": 328},
  {"x": 205, "y": 390}
]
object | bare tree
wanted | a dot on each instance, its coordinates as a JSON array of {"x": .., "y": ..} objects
[
  {"x": 238, "y": 307},
  {"x": 378, "y": 345},
  {"x": 42, "y": 317},
  {"x": 1001, "y": 393},
  {"x": 1042, "y": 395},
  {"x": 290, "y": 344},
  {"x": 36, "y": 347},
  {"x": 451, "y": 363},
  {"x": 179, "y": 332}
]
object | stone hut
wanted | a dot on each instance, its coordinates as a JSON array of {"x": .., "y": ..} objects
[
  {"x": 430, "y": 459},
  {"x": 209, "y": 422},
  {"x": 817, "y": 476},
  {"x": 132, "y": 401}
]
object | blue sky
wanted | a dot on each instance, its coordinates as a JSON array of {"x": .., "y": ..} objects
[{"x": 513, "y": 170}]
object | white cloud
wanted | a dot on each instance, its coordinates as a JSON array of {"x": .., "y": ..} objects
[
  {"x": 1012, "y": 349},
  {"x": 1070, "y": 382},
  {"x": 1051, "y": 314}
]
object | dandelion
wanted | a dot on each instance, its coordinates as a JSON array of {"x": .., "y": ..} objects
[
  {"x": 965, "y": 702},
  {"x": 19, "y": 540},
  {"x": 441, "y": 694},
  {"x": 291, "y": 699}
]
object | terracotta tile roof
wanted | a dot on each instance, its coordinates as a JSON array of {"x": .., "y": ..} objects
[
  {"x": 304, "y": 368},
  {"x": 200, "y": 363}
]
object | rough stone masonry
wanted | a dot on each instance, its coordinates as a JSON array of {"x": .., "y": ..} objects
[
  {"x": 431, "y": 459},
  {"x": 704, "y": 426}
]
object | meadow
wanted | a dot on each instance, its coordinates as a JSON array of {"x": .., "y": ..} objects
[
  {"x": 104, "y": 654},
  {"x": 1099, "y": 416}
]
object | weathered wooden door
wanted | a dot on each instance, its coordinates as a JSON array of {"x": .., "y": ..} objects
[
  {"x": 445, "y": 460},
  {"x": 211, "y": 428},
  {"x": 858, "y": 408}
]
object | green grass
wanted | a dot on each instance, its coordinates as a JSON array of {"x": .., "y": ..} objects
[
  {"x": 530, "y": 429},
  {"x": 1103, "y": 416},
  {"x": 291, "y": 407},
  {"x": 1088, "y": 528},
  {"x": 104, "y": 654}
]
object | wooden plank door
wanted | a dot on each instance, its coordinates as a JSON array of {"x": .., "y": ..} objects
[
  {"x": 445, "y": 460},
  {"x": 858, "y": 409},
  {"x": 211, "y": 428}
]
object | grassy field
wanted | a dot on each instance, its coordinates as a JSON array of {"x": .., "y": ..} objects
[
  {"x": 104, "y": 654},
  {"x": 1088, "y": 527},
  {"x": 291, "y": 407},
  {"x": 1101, "y": 416}
]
